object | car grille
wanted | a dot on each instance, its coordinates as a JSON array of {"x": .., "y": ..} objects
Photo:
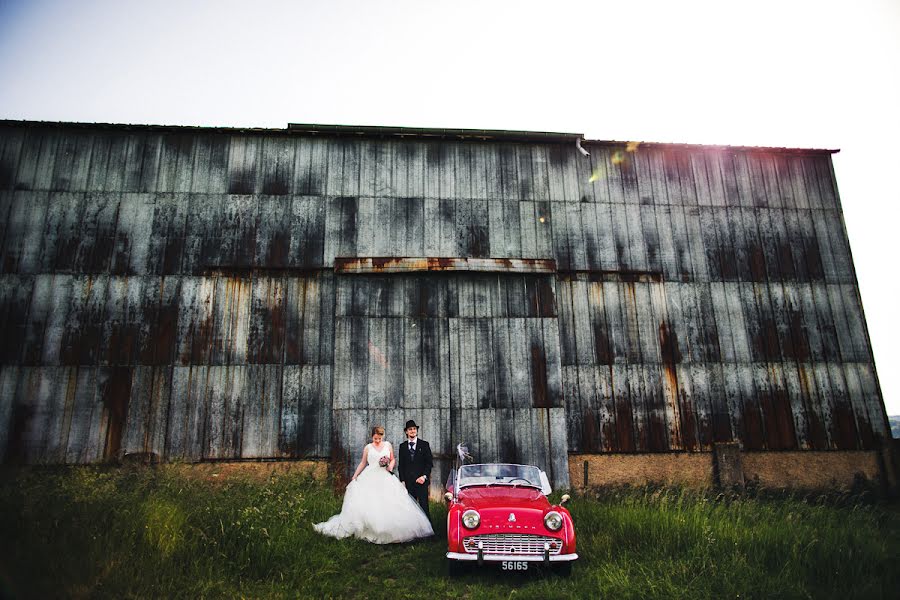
[{"x": 511, "y": 543}]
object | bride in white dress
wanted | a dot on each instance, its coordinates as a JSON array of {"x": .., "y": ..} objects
[{"x": 377, "y": 507}]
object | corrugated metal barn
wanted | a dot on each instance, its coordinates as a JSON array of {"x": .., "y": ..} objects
[{"x": 252, "y": 294}]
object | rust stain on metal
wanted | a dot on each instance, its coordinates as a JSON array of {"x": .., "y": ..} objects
[
  {"x": 163, "y": 344},
  {"x": 815, "y": 429},
  {"x": 668, "y": 345},
  {"x": 844, "y": 434},
  {"x": 123, "y": 339},
  {"x": 765, "y": 340},
  {"x": 757, "y": 263},
  {"x": 656, "y": 430},
  {"x": 753, "y": 427},
  {"x": 201, "y": 341},
  {"x": 411, "y": 264},
  {"x": 602, "y": 346},
  {"x": 547, "y": 297},
  {"x": 779, "y": 420},
  {"x": 115, "y": 396},
  {"x": 624, "y": 426},
  {"x": 590, "y": 433}
]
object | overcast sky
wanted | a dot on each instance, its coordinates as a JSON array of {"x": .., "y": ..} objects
[{"x": 805, "y": 73}]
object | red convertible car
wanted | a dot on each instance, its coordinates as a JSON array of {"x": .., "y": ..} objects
[{"x": 499, "y": 513}]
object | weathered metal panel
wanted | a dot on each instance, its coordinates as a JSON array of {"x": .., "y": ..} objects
[
  {"x": 868, "y": 383},
  {"x": 11, "y": 143},
  {"x": 26, "y": 167},
  {"x": 9, "y": 381},
  {"x": 194, "y": 269}
]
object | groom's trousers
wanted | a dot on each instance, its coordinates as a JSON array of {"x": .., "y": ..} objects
[{"x": 419, "y": 492}]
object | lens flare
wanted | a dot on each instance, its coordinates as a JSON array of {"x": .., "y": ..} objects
[
  {"x": 595, "y": 176},
  {"x": 618, "y": 157},
  {"x": 541, "y": 219},
  {"x": 378, "y": 355},
  {"x": 632, "y": 146}
]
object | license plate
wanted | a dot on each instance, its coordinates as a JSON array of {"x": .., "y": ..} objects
[{"x": 514, "y": 565}]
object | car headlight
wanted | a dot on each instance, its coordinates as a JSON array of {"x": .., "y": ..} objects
[
  {"x": 471, "y": 519},
  {"x": 553, "y": 520}
]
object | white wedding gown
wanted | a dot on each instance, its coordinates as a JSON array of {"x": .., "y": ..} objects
[{"x": 377, "y": 507}]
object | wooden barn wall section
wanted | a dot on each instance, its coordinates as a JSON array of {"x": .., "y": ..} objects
[{"x": 173, "y": 292}]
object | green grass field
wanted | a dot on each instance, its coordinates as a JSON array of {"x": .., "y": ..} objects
[{"x": 151, "y": 532}]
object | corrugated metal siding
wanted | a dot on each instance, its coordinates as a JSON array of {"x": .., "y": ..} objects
[{"x": 703, "y": 295}]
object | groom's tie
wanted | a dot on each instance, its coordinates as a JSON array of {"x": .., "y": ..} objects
[{"x": 412, "y": 450}]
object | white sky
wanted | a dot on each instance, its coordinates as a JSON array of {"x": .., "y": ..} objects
[{"x": 804, "y": 73}]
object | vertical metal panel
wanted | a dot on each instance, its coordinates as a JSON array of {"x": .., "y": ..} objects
[
  {"x": 857, "y": 402},
  {"x": 868, "y": 383},
  {"x": 44, "y": 165},
  {"x": 698, "y": 376},
  {"x": 529, "y": 226},
  {"x": 334, "y": 168},
  {"x": 341, "y": 228},
  {"x": 22, "y": 246},
  {"x": 6, "y": 201},
  {"x": 15, "y": 294},
  {"x": 148, "y": 405},
  {"x": 89, "y": 414},
  {"x": 244, "y": 165},
  {"x": 26, "y": 171},
  {"x": 733, "y": 397},
  {"x": 9, "y": 380},
  {"x": 843, "y": 419},
  {"x": 826, "y": 252},
  {"x": 262, "y": 420},
  {"x": 840, "y": 246},
  {"x": 11, "y": 143},
  {"x": 637, "y": 245}
]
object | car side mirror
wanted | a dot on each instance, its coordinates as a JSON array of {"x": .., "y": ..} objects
[
  {"x": 564, "y": 499},
  {"x": 448, "y": 496}
]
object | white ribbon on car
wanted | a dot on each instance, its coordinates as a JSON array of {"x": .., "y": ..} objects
[{"x": 463, "y": 453}]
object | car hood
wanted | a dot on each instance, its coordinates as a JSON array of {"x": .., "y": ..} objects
[{"x": 486, "y": 497}]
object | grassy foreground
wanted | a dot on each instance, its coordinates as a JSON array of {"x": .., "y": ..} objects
[{"x": 141, "y": 532}]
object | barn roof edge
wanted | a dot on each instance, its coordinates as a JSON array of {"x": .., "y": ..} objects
[{"x": 361, "y": 131}]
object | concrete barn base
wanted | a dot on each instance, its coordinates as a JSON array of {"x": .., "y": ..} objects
[{"x": 801, "y": 470}]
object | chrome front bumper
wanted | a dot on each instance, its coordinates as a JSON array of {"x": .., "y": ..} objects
[{"x": 516, "y": 557}]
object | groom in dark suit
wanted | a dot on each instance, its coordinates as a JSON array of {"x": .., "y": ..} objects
[{"x": 415, "y": 464}]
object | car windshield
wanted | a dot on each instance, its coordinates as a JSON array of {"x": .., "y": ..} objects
[{"x": 499, "y": 474}]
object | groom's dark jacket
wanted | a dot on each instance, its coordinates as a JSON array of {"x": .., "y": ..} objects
[
  {"x": 413, "y": 467},
  {"x": 420, "y": 464}
]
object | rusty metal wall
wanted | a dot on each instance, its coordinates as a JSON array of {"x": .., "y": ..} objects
[{"x": 172, "y": 291}]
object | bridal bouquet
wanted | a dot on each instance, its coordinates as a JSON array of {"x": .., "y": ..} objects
[{"x": 384, "y": 461}]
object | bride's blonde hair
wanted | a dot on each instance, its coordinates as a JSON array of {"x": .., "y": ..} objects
[{"x": 378, "y": 429}]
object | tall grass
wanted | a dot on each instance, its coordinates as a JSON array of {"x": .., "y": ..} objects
[{"x": 122, "y": 532}]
